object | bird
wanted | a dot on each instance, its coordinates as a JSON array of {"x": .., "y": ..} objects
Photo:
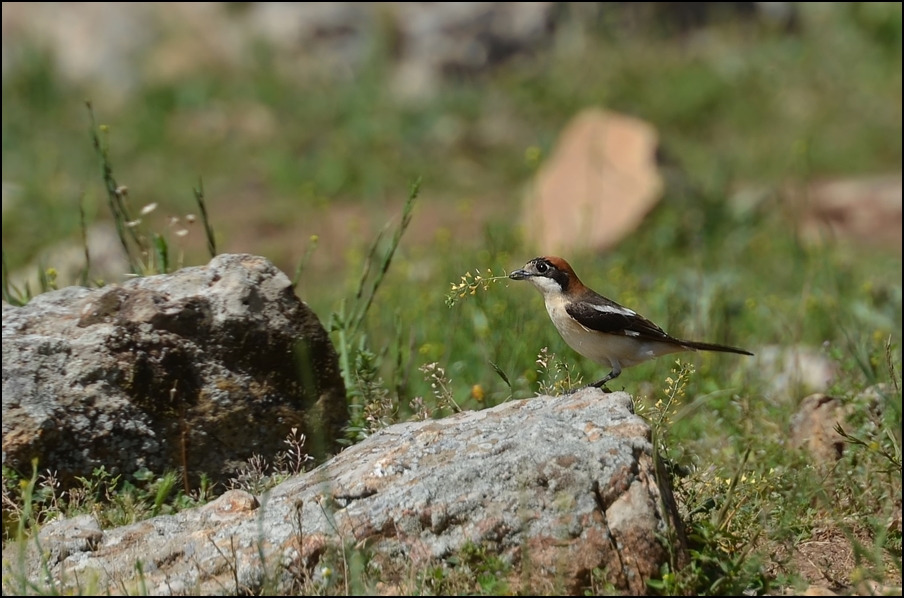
[{"x": 597, "y": 327}]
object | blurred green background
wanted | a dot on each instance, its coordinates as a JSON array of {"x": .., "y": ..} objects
[{"x": 294, "y": 139}]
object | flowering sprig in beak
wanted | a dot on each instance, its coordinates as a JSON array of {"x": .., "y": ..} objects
[{"x": 469, "y": 285}]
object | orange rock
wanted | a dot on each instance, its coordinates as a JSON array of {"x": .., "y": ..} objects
[{"x": 597, "y": 186}]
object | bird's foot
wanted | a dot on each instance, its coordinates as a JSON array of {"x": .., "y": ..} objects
[
  {"x": 602, "y": 386},
  {"x": 601, "y": 383}
]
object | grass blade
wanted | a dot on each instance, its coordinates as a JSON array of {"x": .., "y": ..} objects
[
  {"x": 208, "y": 229},
  {"x": 502, "y": 375},
  {"x": 390, "y": 252},
  {"x": 161, "y": 250},
  {"x": 83, "y": 277},
  {"x": 312, "y": 245},
  {"x": 115, "y": 194}
]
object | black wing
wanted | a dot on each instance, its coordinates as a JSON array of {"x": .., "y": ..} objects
[{"x": 611, "y": 318}]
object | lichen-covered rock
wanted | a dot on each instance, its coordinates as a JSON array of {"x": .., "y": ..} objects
[
  {"x": 193, "y": 371},
  {"x": 556, "y": 486}
]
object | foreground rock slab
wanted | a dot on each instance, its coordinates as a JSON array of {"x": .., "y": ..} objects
[
  {"x": 193, "y": 371},
  {"x": 556, "y": 486}
]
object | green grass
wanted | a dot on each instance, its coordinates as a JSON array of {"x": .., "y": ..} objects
[{"x": 738, "y": 109}]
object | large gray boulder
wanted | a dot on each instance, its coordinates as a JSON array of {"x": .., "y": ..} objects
[
  {"x": 193, "y": 371},
  {"x": 556, "y": 486}
]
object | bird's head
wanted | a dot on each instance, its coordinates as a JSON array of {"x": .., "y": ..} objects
[{"x": 549, "y": 274}]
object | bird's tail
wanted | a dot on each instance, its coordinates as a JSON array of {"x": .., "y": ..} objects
[{"x": 712, "y": 347}]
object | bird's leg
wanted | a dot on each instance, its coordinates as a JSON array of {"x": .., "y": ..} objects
[
  {"x": 615, "y": 373},
  {"x": 601, "y": 383}
]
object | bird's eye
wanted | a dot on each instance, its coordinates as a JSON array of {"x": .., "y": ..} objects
[{"x": 542, "y": 267}]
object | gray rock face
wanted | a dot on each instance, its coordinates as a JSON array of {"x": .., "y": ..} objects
[
  {"x": 557, "y": 486},
  {"x": 194, "y": 370}
]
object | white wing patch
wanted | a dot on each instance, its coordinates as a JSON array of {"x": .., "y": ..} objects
[{"x": 613, "y": 309}]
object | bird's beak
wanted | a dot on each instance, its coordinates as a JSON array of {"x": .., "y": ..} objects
[{"x": 520, "y": 275}]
